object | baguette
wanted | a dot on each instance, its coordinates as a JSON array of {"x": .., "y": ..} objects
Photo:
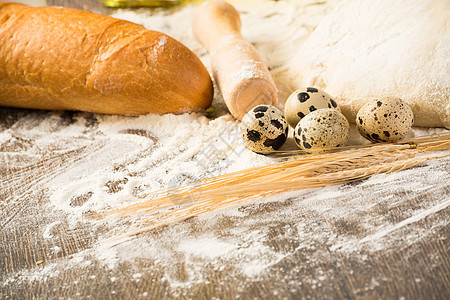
[{"x": 66, "y": 59}]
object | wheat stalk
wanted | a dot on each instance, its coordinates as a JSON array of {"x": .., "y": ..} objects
[{"x": 300, "y": 172}]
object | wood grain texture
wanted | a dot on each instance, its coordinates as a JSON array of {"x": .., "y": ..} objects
[
  {"x": 411, "y": 261},
  {"x": 369, "y": 240}
]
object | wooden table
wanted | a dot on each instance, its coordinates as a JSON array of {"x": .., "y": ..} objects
[{"x": 406, "y": 255}]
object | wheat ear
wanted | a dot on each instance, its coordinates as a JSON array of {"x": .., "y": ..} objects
[{"x": 166, "y": 207}]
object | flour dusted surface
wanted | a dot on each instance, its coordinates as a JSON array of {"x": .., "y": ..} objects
[
  {"x": 64, "y": 165},
  {"x": 366, "y": 49}
]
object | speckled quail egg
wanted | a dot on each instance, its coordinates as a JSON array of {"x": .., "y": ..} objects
[
  {"x": 322, "y": 128},
  {"x": 264, "y": 129},
  {"x": 303, "y": 101},
  {"x": 387, "y": 119}
]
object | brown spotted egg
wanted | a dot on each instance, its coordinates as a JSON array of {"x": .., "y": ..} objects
[
  {"x": 303, "y": 101},
  {"x": 323, "y": 128},
  {"x": 385, "y": 120},
  {"x": 264, "y": 129}
]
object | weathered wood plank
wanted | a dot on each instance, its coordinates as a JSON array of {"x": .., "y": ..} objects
[{"x": 369, "y": 241}]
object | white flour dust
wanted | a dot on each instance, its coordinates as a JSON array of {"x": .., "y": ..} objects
[{"x": 106, "y": 161}]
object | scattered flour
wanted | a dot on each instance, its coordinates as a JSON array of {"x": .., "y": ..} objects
[
  {"x": 368, "y": 49},
  {"x": 248, "y": 70},
  {"x": 106, "y": 161},
  {"x": 206, "y": 247},
  {"x": 47, "y": 234}
]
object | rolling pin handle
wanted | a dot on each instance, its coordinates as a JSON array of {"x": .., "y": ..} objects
[{"x": 239, "y": 71}]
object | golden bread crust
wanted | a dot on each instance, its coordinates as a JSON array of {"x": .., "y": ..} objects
[{"x": 61, "y": 58}]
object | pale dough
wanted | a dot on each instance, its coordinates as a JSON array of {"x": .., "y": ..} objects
[{"x": 366, "y": 49}]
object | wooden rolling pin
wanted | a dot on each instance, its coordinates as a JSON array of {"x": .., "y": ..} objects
[
  {"x": 61, "y": 58},
  {"x": 243, "y": 79}
]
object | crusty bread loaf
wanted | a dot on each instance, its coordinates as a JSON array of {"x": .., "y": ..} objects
[{"x": 61, "y": 58}]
